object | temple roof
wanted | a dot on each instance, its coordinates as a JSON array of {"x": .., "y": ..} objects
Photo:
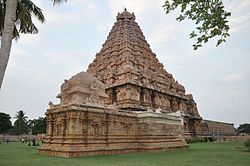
[
  {"x": 126, "y": 57},
  {"x": 125, "y": 15}
]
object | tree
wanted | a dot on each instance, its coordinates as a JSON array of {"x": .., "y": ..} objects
[
  {"x": 21, "y": 124},
  {"x": 23, "y": 22},
  {"x": 244, "y": 128},
  {"x": 58, "y": 1},
  {"x": 7, "y": 36},
  {"x": 15, "y": 18},
  {"x": 38, "y": 126},
  {"x": 5, "y": 123},
  {"x": 209, "y": 16}
]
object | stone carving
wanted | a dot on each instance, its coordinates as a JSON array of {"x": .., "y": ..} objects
[
  {"x": 140, "y": 78},
  {"x": 93, "y": 130},
  {"x": 158, "y": 110},
  {"x": 81, "y": 89},
  {"x": 125, "y": 102},
  {"x": 51, "y": 105}
]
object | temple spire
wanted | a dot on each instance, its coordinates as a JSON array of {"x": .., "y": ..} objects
[{"x": 126, "y": 58}]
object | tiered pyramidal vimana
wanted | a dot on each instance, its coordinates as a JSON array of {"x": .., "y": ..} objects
[{"x": 125, "y": 102}]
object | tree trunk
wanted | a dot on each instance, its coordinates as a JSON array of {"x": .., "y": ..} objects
[{"x": 9, "y": 21}]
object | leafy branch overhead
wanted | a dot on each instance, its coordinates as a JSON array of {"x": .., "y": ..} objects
[
  {"x": 24, "y": 23},
  {"x": 209, "y": 16}
]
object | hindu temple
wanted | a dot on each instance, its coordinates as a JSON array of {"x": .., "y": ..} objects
[{"x": 125, "y": 102}]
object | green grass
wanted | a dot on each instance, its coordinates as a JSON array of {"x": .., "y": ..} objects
[{"x": 199, "y": 154}]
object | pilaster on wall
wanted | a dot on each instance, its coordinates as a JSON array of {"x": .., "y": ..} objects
[{"x": 99, "y": 130}]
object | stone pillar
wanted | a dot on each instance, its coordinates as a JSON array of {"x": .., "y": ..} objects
[
  {"x": 49, "y": 125},
  {"x": 141, "y": 95},
  {"x": 114, "y": 95},
  {"x": 152, "y": 96},
  {"x": 174, "y": 104},
  {"x": 182, "y": 105},
  {"x": 64, "y": 128}
]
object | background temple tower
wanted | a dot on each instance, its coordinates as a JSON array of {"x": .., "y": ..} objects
[{"x": 134, "y": 77}]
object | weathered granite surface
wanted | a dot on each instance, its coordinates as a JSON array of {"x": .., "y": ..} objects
[
  {"x": 82, "y": 88},
  {"x": 79, "y": 126},
  {"x": 215, "y": 128},
  {"x": 85, "y": 130},
  {"x": 134, "y": 77},
  {"x": 125, "y": 102}
]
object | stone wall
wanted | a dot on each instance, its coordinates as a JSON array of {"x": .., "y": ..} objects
[
  {"x": 17, "y": 138},
  {"x": 213, "y": 128},
  {"x": 238, "y": 138},
  {"x": 90, "y": 130}
]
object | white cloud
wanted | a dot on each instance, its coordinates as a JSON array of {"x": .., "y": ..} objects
[
  {"x": 72, "y": 11},
  {"x": 19, "y": 52},
  {"x": 64, "y": 57},
  {"x": 103, "y": 27},
  {"x": 234, "y": 77},
  {"x": 16, "y": 56},
  {"x": 240, "y": 18},
  {"x": 239, "y": 23},
  {"x": 237, "y": 6},
  {"x": 118, "y": 6},
  {"x": 162, "y": 34},
  {"x": 138, "y": 6},
  {"x": 28, "y": 39},
  {"x": 57, "y": 18},
  {"x": 74, "y": 71}
]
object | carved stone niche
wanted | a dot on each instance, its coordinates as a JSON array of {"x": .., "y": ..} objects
[
  {"x": 82, "y": 88},
  {"x": 128, "y": 92}
]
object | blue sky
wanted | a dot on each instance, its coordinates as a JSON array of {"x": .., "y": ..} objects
[{"x": 218, "y": 77}]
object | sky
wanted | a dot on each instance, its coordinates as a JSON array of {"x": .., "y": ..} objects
[{"x": 218, "y": 77}]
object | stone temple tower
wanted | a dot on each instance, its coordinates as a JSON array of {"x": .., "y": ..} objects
[
  {"x": 135, "y": 80},
  {"x": 125, "y": 102}
]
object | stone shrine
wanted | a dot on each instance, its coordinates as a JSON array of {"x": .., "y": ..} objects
[
  {"x": 135, "y": 80},
  {"x": 125, "y": 102},
  {"x": 81, "y": 125}
]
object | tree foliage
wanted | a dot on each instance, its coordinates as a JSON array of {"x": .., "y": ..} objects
[
  {"x": 38, "y": 126},
  {"x": 23, "y": 23},
  {"x": 5, "y": 123},
  {"x": 210, "y": 18},
  {"x": 58, "y": 1},
  {"x": 21, "y": 124},
  {"x": 244, "y": 128}
]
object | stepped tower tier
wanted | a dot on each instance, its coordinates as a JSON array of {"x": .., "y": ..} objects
[
  {"x": 125, "y": 102},
  {"x": 134, "y": 77}
]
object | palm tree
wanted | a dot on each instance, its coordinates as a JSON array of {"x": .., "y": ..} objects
[
  {"x": 21, "y": 124},
  {"x": 23, "y": 22},
  {"x": 15, "y": 18},
  {"x": 21, "y": 115},
  {"x": 7, "y": 36},
  {"x": 58, "y": 1}
]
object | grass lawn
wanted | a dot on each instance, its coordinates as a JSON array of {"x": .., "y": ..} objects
[{"x": 199, "y": 154}]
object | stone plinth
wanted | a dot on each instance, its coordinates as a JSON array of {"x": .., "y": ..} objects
[
  {"x": 84, "y": 130},
  {"x": 81, "y": 125}
]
